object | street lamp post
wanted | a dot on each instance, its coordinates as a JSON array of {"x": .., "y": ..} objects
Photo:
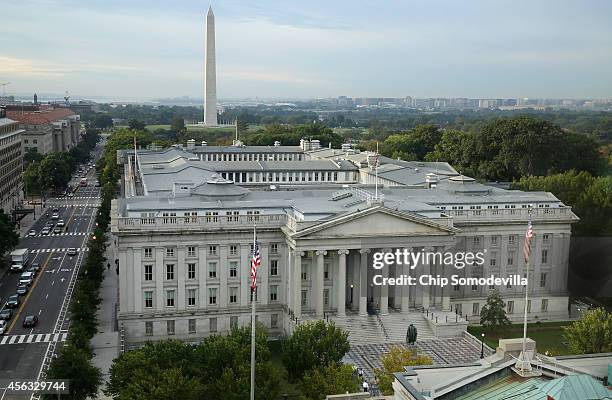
[{"x": 482, "y": 345}]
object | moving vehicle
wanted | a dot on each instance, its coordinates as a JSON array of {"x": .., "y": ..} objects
[
  {"x": 12, "y": 301},
  {"x": 60, "y": 222},
  {"x": 19, "y": 259},
  {"x": 57, "y": 230},
  {"x": 55, "y": 216},
  {"x": 30, "y": 321},
  {"x": 70, "y": 194},
  {"x": 32, "y": 232},
  {"x": 45, "y": 231},
  {"x": 6, "y": 314},
  {"x": 22, "y": 290},
  {"x": 33, "y": 268},
  {"x": 72, "y": 251},
  {"x": 26, "y": 278},
  {"x": 83, "y": 181},
  {"x": 3, "y": 326}
]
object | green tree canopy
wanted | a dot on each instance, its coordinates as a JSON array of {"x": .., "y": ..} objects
[
  {"x": 73, "y": 364},
  {"x": 493, "y": 313},
  {"x": 313, "y": 345},
  {"x": 331, "y": 379},
  {"x": 9, "y": 238},
  {"x": 591, "y": 334},
  {"x": 136, "y": 124},
  {"x": 394, "y": 361},
  {"x": 412, "y": 145}
]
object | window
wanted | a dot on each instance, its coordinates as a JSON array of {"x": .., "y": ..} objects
[
  {"x": 326, "y": 297},
  {"x": 456, "y": 288},
  {"x": 544, "y": 256},
  {"x": 148, "y": 252},
  {"x": 170, "y": 327},
  {"x": 213, "y": 324},
  {"x": 148, "y": 272},
  {"x": 148, "y": 299},
  {"x": 212, "y": 250},
  {"x": 493, "y": 260},
  {"x": 494, "y": 240},
  {"x": 169, "y": 298},
  {"x": 233, "y": 295},
  {"x": 232, "y": 216},
  {"x": 191, "y": 271},
  {"x": 149, "y": 328},
  {"x": 511, "y": 258},
  {"x": 233, "y": 250},
  {"x": 543, "y": 280},
  {"x": 476, "y": 240},
  {"x": 191, "y": 326},
  {"x": 528, "y": 306},
  {"x": 474, "y": 287},
  {"x": 326, "y": 271},
  {"x": 211, "y": 216},
  {"x": 191, "y": 297},
  {"x": 274, "y": 321},
  {"x": 233, "y": 269},
  {"x": 169, "y": 251},
  {"x": 212, "y": 296},
  {"x": 212, "y": 270},
  {"x": 273, "y": 293},
  {"x": 546, "y": 238},
  {"x": 233, "y": 322},
  {"x": 510, "y": 307},
  {"x": 304, "y": 275},
  {"x": 512, "y": 240},
  {"x": 273, "y": 267},
  {"x": 273, "y": 248},
  {"x": 191, "y": 251},
  {"x": 544, "y": 306},
  {"x": 304, "y": 298},
  {"x": 475, "y": 308},
  {"x": 169, "y": 272},
  {"x": 509, "y": 284}
]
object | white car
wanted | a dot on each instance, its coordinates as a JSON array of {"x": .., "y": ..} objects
[
  {"x": 55, "y": 216},
  {"x": 32, "y": 232},
  {"x": 3, "y": 326},
  {"x": 45, "y": 231},
  {"x": 72, "y": 251}
]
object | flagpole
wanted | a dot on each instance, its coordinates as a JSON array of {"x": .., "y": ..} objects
[
  {"x": 253, "y": 294},
  {"x": 376, "y": 169},
  {"x": 530, "y": 226}
]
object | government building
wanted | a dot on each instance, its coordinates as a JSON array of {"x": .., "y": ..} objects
[{"x": 184, "y": 226}]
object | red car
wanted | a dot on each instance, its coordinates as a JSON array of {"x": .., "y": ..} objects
[{"x": 30, "y": 321}]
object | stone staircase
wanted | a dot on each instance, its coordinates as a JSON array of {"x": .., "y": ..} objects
[
  {"x": 396, "y": 324},
  {"x": 361, "y": 329},
  {"x": 390, "y": 328}
]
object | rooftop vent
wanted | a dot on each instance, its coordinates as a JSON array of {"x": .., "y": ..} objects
[
  {"x": 191, "y": 144},
  {"x": 276, "y": 143},
  {"x": 204, "y": 143}
]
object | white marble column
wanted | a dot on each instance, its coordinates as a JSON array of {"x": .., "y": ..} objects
[
  {"x": 405, "y": 270},
  {"x": 342, "y": 281},
  {"x": 320, "y": 282},
  {"x": 384, "y": 289},
  {"x": 363, "y": 282},
  {"x": 426, "y": 270},
  {"x": 297, "y": 283}
]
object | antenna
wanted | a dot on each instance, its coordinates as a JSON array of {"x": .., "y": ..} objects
[
  {"x": 67, "y": 98},
  {"x": 4, "y": 85}
]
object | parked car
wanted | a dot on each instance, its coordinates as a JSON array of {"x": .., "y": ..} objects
[
  {"x": 55, "y": 216},
  {"x": 32, "y": 232},
  {"x": 26, "y": 278},
  {"x": 60, "y": 222},
  {"x": 72, "y": 251},
  {"x": 30, "y": 321},
  {"x": 3, "y": 326},
  {"x": 70, "y": 194},
  {"x": 12, "y": 301},
  {"x": 6, "y": 314},
  {"x": 45, "y": 231},
  {"x": 22, "y": 290},
  {"x": 57, "y": 230},
  {"x": 33, "y": 268},
  {"x": 55, "y": 209}
]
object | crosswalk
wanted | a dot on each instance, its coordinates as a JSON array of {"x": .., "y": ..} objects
[
  {"x": 58, "y": 250},
  {"x": 33, "y": 338},
  {"x": 72, "y": 205},
  {"x": 65, "y": 234}
]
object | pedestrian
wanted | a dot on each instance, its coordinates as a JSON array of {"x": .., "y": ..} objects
[
  {"x": 360, "y": 373},
  {"x": 365, "y": 386},
  {"x": 107, "y": 265},
  {"x": 117, "y": 270}
]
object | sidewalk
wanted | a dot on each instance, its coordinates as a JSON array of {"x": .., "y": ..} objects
[{"x": 105, "y": 343}]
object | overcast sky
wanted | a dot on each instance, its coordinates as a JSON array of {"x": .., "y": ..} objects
[{"x": 309, "y": 48}]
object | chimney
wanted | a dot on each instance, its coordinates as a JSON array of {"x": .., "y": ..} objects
[
  {"x": 431, "y": 180},
  {"x": 204, "y": 143},
  {"x": 276, "y": 143},
  {"x": 191, "y": 144}
]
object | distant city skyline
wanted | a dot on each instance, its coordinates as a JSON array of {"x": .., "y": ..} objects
[{"x": 151, "y": 49}]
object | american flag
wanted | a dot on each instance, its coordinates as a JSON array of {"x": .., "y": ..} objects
[
  {"x": 527, "y": 244},
  {"x": 255, "y": 263}
]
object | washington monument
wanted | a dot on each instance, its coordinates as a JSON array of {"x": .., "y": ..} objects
[{"x": 210, "y": 72}]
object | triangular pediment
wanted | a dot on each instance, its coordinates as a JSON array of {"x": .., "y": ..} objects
[{"x": 377, "y": 221}]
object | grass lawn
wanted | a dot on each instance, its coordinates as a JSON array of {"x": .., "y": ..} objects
[{"x": 547, "y": 335}]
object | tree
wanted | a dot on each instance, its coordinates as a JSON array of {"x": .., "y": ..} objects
[
  {"x": 313, "y": 345},
  {"x": 136, "y": 125},
  {"x": 332, "y": 379},
  {"x": 32, "y": 156},
  {"x": 412, "y": 145},
  {"x": 395, "y": 361},
  {"x": 103, "y": 121},
  {"x": 9, "y": 238},
  {"x": 74, "y": 365},
  {"x": 591, "y": 334},
  {"x": 178, "y": 127},
  {"x": 493, "y": 313}
]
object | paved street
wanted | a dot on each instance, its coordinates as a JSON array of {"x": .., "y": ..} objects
[{"x": 23, "y": 350}]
